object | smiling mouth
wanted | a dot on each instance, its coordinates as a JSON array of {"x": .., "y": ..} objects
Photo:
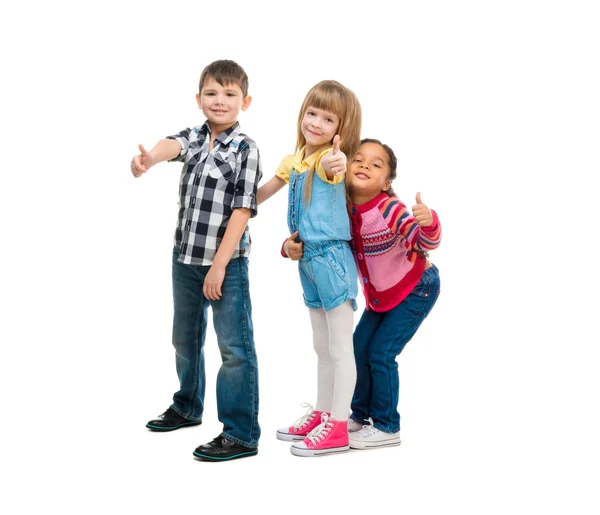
[{"x": 361, "y": 175}]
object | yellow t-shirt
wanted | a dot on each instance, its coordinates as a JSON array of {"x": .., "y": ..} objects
[{"x": 301, "y": 165}]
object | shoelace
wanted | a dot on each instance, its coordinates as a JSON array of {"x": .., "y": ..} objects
[
  {"x": 321, "y": 431},
  {"x": 368, "y": 429},
  {"x": 305, "y": 419}
]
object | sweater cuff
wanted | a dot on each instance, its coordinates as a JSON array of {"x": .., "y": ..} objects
[{"x": 434, "y": 224}]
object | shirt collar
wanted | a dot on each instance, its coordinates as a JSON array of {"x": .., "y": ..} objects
[
  {"x": 302, "y": 163},
  {"x": 363, "y": 208},
  {"x": 226, "y": 136},
  {"x": 205, "y": 129}
]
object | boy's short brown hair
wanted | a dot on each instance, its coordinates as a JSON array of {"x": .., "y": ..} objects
[{"x": 225, "y": 72}]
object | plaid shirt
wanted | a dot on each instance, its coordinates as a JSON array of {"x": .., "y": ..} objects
[{"x": 213, "y": 184}]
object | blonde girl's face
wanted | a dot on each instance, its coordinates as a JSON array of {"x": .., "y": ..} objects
[
  {"x": 319, "y": 128},
  {"x": 369, "y": 170}
]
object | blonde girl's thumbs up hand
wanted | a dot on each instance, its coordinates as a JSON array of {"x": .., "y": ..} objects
[{"x": 335, "y": 161}]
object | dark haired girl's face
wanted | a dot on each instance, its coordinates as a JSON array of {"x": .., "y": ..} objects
[{"x": 369, "y": 170}]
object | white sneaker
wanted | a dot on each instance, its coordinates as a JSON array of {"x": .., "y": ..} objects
[
  {"x": 369, "y": 438},
  {"x": 354, "y": 426}
]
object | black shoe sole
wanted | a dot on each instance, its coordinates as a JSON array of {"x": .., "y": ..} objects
[
  {"x": 206, "y": 457},
  {"x": 162, "y": 429}
]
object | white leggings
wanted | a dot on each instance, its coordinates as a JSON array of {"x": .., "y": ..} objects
[{"x": 336, "y": 369}]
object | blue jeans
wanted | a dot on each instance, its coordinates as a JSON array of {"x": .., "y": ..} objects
[
  {"x": 237, "y": 380},
  {"x": 378, "y": 339}
]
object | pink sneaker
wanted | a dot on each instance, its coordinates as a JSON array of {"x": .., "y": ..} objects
[
  {"x": 304, "y": 425},
  {"x": 329, "y": 437}
]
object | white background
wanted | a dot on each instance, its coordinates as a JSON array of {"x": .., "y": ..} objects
[{"x": 493, "y": 110}]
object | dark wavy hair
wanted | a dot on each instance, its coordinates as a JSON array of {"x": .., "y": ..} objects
[{"x": 392, "y": 161}]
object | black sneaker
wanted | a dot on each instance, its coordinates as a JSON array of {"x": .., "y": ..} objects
[
  {"x": 169, "y": 421},
  {"x": 222, "y": 449}
]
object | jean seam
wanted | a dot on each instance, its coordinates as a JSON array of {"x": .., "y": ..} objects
[
  {"x": 338, "y": 301},
  {"x": 389, "y": 353},
  {"x": 292, "y": 208},
  {"x": 174, "y": 408},
  {"x": 333, "y": 264},
  {"x": 252, "y": 385},
  {"x": 197, "y": 326},
  {"x": 407, "y": 328},
  {"x": 384, "y": 429},
  {"x": 250, "y": 445},
  {"x": 356, "y": 419},
  {"x": 246, "y": 341}
]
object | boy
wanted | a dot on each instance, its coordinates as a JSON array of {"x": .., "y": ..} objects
[{"x": 217, "y": 192}]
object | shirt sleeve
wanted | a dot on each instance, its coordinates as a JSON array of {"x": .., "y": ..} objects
[
  {"x": 285, "y": 168},
  {"x": 248, "y": 176},
  {"x": 431, "y": 236},
  {"x": 402, "y": 222},
  {"x": 183, "y": 138},
  {"x": 336, "y": 179}
]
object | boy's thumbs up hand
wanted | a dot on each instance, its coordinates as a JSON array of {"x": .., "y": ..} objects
[
  {"x": 141, "y": 162},
  {"x": 422, "y": 213},
  {"x": 335, "y": 161}
]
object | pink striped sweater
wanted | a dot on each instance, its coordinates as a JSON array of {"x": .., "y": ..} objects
[{"x": 389, "y": 245}]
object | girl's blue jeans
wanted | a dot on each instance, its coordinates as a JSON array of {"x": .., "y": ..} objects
[{"x": 378, "y": 339}]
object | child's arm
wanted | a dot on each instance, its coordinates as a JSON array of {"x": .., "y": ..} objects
[
  {"x": 430, "y": 229},
  {"x": 233, "y": 234},
  {"x": 422, "y": 230},
  {"x": 266, "y": 191},
  {"x": 278, "y": 181},
  {"x": 244, "y": 205},
  {"x": 164, "y": 150}
]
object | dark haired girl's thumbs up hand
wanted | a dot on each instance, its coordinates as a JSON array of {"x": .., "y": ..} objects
[{"x": 422, "y": 213}]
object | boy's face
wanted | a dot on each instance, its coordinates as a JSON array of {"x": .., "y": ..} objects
[
  {"x": 369, "y": 170},
  {"x": 221, "y": 104}
]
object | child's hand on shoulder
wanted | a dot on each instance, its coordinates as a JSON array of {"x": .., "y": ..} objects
[
  {"x": 141, "y": 162},
  {"x": 334, "y": 162},
  {"x": 422, "y": 213}
]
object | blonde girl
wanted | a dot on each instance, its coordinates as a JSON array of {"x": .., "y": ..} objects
[{"x": 329, "y": 126}]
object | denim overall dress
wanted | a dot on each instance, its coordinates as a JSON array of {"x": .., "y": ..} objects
[{"x": 327, "y": 269}]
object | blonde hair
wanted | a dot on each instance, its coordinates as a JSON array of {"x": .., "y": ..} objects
[{"x": 330, "y": 95}]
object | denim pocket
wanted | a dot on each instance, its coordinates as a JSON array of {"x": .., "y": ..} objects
[
  {"x": 422, "y": 289},
  {"x": 337, "y": 265}
]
